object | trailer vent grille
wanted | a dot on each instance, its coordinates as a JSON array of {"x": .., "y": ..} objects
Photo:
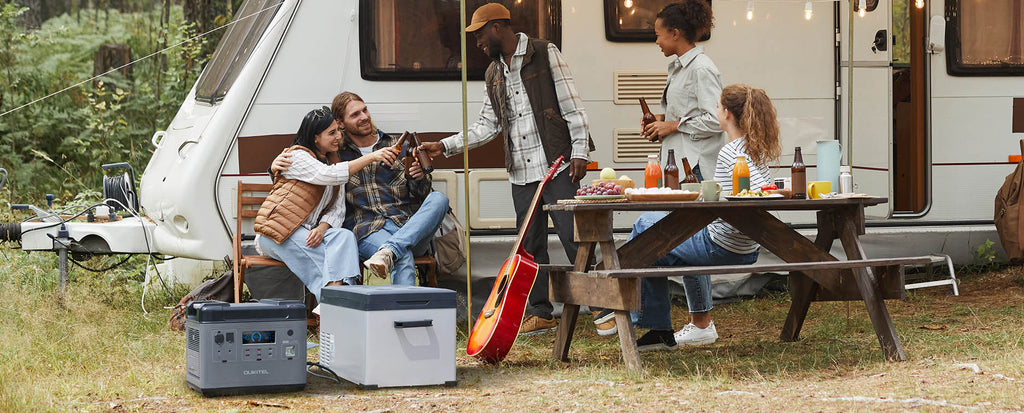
[
  {"x": 631, "y": 147},
  {"x": 630, "y": 86}
]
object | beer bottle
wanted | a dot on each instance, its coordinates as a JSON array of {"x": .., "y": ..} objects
[
  {"x": 672, "y": 171},
  {"x": 652, "y": 173},
  {"x": 648, "y": 116},
  {"x": 799, "y": 176},
  {"x": 424, "y": 159},
  {"x": 690, "y": 177},
  {"x": 740, "y": 175}
]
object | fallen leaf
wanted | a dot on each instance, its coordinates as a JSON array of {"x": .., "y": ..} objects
[{"x": 266, "y": 404}]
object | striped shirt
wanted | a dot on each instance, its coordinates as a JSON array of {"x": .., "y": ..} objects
[
  {"x": 721, "y": 232},
  {"x": 528, "y": 158},
  {"x": 306, "y": 168},
  {"x": 377, "y": 193}
]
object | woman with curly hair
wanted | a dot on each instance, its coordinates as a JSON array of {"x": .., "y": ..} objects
[
  {"x": 688, "y": 125},
  {"x": 749, "y": 119}
]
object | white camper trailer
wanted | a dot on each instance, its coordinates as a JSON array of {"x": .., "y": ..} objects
[{"x": 934, "y": 112}]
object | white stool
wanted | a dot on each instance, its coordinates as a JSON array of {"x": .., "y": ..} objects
[{"x": 938, "y": 259}]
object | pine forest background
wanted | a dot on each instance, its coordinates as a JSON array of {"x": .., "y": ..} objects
[{"x": 58, "y": 144}]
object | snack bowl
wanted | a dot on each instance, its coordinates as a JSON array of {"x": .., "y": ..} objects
[{"x": 624, "y": 183}]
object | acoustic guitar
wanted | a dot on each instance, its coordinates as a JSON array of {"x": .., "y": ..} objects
[{"x": 497, "y": 326}]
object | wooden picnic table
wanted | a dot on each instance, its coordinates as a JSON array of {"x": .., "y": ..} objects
[{"x": 815, "y": 274}]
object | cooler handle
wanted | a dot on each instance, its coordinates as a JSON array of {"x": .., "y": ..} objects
[{"x": 413, "y": 324}]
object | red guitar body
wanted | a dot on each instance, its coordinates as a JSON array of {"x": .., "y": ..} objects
[{"x": 497, "y": 327}]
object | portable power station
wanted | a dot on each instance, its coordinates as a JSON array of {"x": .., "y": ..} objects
[{"x": 237, "y": 348}]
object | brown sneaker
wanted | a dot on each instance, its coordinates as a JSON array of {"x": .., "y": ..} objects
[
  {"x": 605, "y": 323},
  {"x": 381, "y": 263},
  {"x": 533, "y": 325}
]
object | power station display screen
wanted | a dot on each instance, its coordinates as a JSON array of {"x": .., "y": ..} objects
[{"x": 258, "y": 337}]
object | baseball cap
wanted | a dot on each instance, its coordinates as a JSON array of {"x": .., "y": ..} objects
[{"x": 486, "y": 13}]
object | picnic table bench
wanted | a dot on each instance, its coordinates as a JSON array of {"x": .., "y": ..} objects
[{"x": 815, "y": 274}]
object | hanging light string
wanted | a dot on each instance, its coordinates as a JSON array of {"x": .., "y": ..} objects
[
  {"x": 168, "y": 48},
  {"x": 859, "y": 6}
]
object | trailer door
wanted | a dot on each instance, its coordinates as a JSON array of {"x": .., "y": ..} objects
[{"x": 871, "y": 146}]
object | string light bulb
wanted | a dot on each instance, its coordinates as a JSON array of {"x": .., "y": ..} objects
[
  {"x": 628, "y": 4},
  {"x": 919, "y": 4},
  {"x": 750, "y": 9},
  {"x": 808, "y": 11},
  {"x": 863, "y": 6}
]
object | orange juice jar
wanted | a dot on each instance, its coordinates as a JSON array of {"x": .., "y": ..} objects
[
  {"x": 740, "y": 175},
  {"x": 652, "y": 173}
]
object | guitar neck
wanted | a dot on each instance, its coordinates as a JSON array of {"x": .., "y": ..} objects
[{"x": 517, "y": 248}]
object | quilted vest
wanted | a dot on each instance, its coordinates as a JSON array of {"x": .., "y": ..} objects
[{"x": 289, "y": 204}]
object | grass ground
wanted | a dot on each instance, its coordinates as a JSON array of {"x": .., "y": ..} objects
[{"x": 966, "y": 353}]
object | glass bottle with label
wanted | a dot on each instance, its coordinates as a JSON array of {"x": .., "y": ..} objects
[
  {"x": 799, "y": 176},
  {"x": 671, "y": 175},
  {"x": 740, "y": 175},
  {"x": 652, "y": 173},
  {"x": 690, "y": 177}
]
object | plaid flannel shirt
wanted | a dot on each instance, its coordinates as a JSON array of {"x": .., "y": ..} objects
[{"x": 377, "y": 193}]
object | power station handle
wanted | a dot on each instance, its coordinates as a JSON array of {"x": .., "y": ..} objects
[{"x": 413, "y": 324}]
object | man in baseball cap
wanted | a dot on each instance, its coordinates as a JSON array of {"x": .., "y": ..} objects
[{"x": 532, "y": 98}]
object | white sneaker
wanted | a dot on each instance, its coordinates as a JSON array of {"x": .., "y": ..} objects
[
  {"x": 690, "y": 335},
  {"x": 381, "y": 262}
]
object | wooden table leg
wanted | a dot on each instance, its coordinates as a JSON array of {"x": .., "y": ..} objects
[
  {"x": 868, "y": 285},
  {"x": 627, "y": 340},
  {"x": 802, "y": 288},
  {"x": 563, "y": 334},
  {"x": 801, "y": 292}
]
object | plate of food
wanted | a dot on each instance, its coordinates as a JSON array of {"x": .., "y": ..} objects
[
  {"x": 751, "y": 197},
  {"x": 660, "y": 195},
  {"x": 599, "y": 197}
]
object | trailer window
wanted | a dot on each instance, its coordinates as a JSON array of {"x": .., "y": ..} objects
[
  {"x": 633, "y": 20},
  {"x": 249, "y": 23},
  {"x": 419, "y": 39},
  {"x": 985, "y": 38}
]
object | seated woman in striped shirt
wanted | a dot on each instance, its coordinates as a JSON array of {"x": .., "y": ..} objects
[
  {"x": 300, "y": 221},
  {"x": 749, "y": 118}
]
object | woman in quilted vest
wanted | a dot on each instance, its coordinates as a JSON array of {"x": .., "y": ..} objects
[{"x": 300, "y": 222}]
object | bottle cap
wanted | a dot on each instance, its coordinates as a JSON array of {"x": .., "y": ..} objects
[
  {"x": 844, "y": 168},
  {"x": 652, "y": 156}
]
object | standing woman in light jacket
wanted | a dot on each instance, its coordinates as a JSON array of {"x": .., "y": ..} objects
[
  {"x": 690, "y": 101},
  {"x": 300, "y": 222}
]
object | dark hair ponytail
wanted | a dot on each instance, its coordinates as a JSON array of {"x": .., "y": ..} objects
[
  {"x": 756, "y": 118},
  {"x": 316, "y": 121}
]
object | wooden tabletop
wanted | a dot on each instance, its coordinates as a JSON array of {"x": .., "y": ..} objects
[{"x": 766, "y": 204}]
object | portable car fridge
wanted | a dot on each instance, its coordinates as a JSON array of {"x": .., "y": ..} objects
[{"x": 388, "y": 336}]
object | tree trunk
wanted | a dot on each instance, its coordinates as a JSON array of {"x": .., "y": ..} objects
[{"x": 110, "y": 56}]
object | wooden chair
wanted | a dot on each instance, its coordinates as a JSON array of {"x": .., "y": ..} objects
[
  {"x": 250, "y": 197},
  {"x": 248, "y": 206}
]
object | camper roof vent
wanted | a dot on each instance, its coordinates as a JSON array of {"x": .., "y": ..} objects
[
  {"x": 631, "y": 147},
  {"x": 630, "y": 86}
]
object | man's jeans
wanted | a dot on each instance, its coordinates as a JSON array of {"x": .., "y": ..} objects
[
  {"x": 655, "y": 303},
  {"x": 409, "y": 240}
]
